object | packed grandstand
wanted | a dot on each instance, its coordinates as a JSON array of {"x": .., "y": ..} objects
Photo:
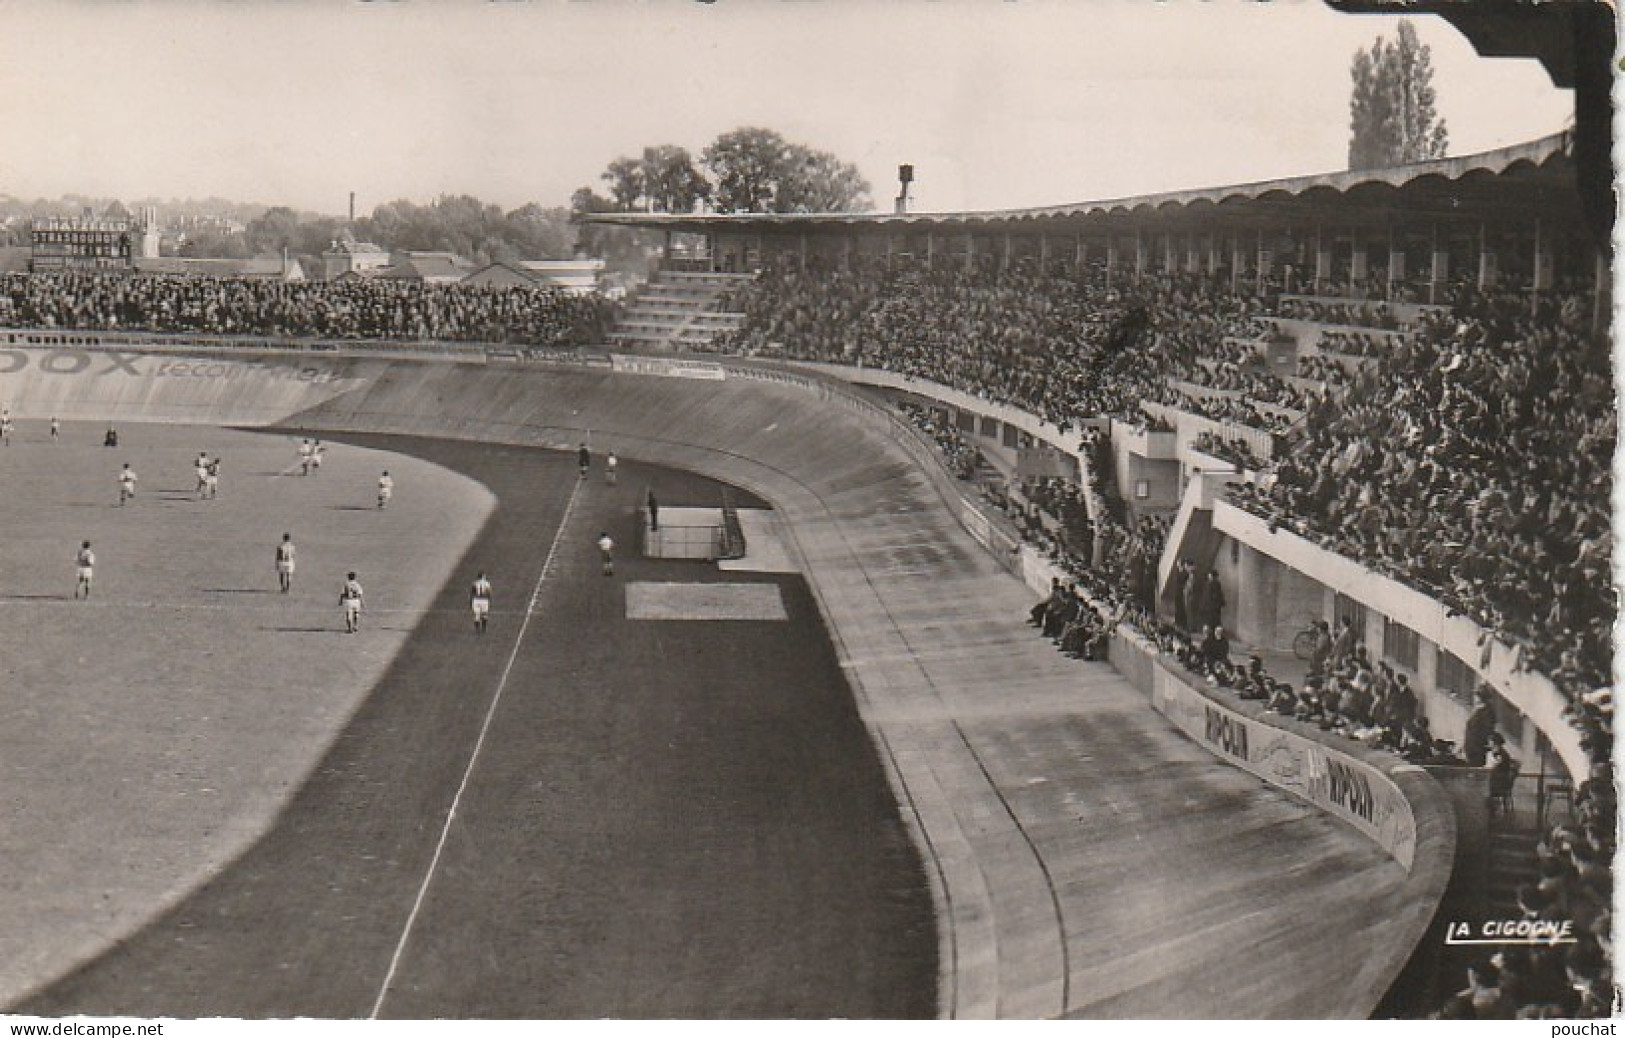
[{"x": 1462, "y": 448}]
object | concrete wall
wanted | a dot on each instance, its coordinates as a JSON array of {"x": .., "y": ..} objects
[
  {"x": 1496, "y": 663},
  {"x": 77, "y": 382}
]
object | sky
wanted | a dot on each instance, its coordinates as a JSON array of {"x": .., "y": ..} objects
[{"x": 996, "y": 103}]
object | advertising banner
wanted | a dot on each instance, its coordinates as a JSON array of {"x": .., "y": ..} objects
[
  {"x": 1337, "y": 783},
  {"x": 668, "y": 367}
]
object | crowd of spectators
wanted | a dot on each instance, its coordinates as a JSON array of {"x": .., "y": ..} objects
[
  {"x": 1241, "y": 367},
  {"x": 1327, "y": 368},
  {"x": 962, "y": 458},
  {"x": 1016, "y": 337},
  {"x": 348, "y": 308},
  {"x": 1051, "y": 514},
  {"x": 1237, "y": 452},
  {"x": 1467, "y": 456},
  {"x": 1063, "y": 348},
  {"x": 1472, "y": 450},
  {"x": 1361, "y": 313},
  {"x": 1354, "y": 343},
  {"x": 1476, "y": 468},
  {"x": 1232, "y": 410}
]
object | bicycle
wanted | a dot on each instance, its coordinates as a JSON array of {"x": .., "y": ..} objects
[{"x": 1303, "y": 643}]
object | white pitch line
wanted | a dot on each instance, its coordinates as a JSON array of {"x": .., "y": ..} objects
[{"x": 479, "y": 743}]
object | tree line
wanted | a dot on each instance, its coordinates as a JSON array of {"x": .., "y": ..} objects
[{"x": 747, "y": 170}]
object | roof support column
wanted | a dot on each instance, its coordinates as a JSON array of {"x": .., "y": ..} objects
[
  {"x": 846, "y": 251},
  {"x": 1545, "y": 259},
  {"x": 1323, "y": 260},
  {"x": 1043, "y": 252},
  {"x": 1441, "y": 265},
  {"x": 1292, "y": 265},
  {"x": 1170, "y": 255},
  {"x": 1359, "y": 263},
  {"x": 1139, "y": 252},
  {"x": 970, "y": 252},
  {"x": 1264, "y": 263},
  {"x": 1237, "y": 257},
  {"x": 1489, "y": 261},
  {"x": 930, "y": 249},
  {"x": 804, "y": 252},
  {"x": 1111, "y": 257},
  {"x": 1396, "y": 263},
  {"x": 1004, "y": 258},
  {"x": 889, "y": 242}
]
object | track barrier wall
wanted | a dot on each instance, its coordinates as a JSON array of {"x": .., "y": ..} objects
[{"x": 1360, "y": 790}]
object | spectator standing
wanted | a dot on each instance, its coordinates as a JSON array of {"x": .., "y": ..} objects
[
  {"x": 1475, "y": 738},
  {"x": 1343, "y": 644},
  {"x": 1212, "y": 600},
  {"x": 1321, "y": 652},
  {"x": 1181, "y": 582}
]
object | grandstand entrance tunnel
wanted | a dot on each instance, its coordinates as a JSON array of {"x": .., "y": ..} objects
[{"x": 1035, "y": 789}]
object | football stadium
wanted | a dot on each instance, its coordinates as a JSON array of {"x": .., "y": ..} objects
[{"x": 1185, "y": 605}]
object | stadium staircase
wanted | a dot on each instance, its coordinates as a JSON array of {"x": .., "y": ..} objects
[
  {"x": 1192, "y": 535},
  {"x": 1512, "y": 863},
  {"x": 679, "y": 311}
]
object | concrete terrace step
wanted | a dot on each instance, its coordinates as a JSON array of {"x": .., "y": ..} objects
[
  {"x": 704, "y": 318},
  {"x": 661, "y": 290},
  {"x": 648, "y": 312},
  {"x": 679, "y": 307},
  {"x": 705, "y": 277}
]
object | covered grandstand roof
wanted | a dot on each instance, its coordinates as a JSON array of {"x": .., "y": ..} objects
[{"x": 1523, "y": 181}]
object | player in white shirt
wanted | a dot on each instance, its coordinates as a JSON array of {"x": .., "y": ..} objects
[
  {"x": 284, "y": 563},
  {"x": 479, "y": 597},
  {"x": 201, "y": 469},
  {"x": 211, "y": 478},
  {"x": 612, "y": 466},
  {"x": 386, "y": 489},
  {"x": 5, "y": 427},
  {"x": 85, "y": 561},
  {"x": 304, "y": 457},
  {"x": 606, "y": 552},
  {"x": 316, "y": 452},
  {"x": 56, "y": 429},
  {"x": 126, "y": 483},
  {"x": 351, "y": 598}
]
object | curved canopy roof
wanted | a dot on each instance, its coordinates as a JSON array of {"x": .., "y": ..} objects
[{"x": 1513, "y": 184}]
